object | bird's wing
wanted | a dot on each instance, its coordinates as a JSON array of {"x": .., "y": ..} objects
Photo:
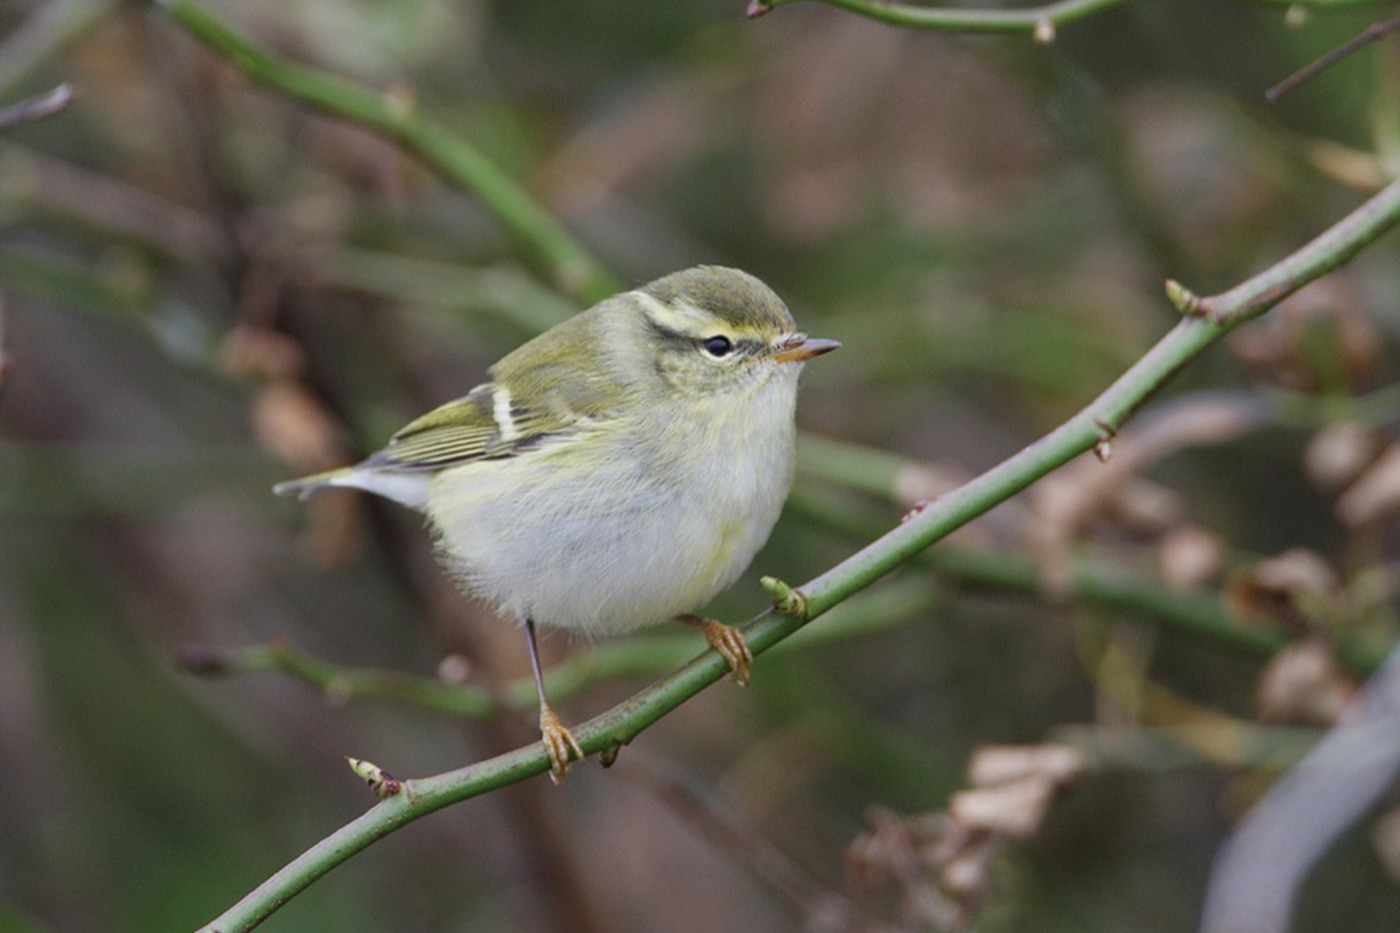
[{"x": 558, "y": 390}]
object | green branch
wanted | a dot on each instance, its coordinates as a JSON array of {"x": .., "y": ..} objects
[
  {"x": 1040, "y": 21},
  {"x": 341, "y": 682},
  {"x": 1091, "y": 429},
  {"x": 572, "y": 266},
  {"x": 636, "y": 656}
]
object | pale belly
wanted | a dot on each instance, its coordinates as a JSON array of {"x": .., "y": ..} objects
[{"x": 603, "y": 558}]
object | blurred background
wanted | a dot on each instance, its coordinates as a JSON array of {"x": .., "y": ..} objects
[{"x": 205, "y": 287}]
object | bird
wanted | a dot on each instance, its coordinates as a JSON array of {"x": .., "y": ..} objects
[{"x": 616, "y": 471}]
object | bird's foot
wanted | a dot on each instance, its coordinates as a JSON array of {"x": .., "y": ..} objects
[
  {"x": 728, "y": 641},
  {"x": 560, "y": 743}
]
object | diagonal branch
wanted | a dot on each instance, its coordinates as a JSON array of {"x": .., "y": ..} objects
[
  {"x": 1366, "y": 37},
  {"x": 1091, "y": 429},
  {"x": 1040, "y": 21}
]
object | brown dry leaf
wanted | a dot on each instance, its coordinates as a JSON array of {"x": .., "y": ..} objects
[
  {"x": 941, "y": 864},
  {"x": 907, "y": 856},
  {"x": 1376, "y": 494},
  {"x": 871, "y": 854},
  {"x": 994, "y": 764},
  {"x": 1014, "y": 787},
  {"x": 1297, "y": 570},
  {"x": 1338, "y": 453},
  {"x": 1190, "y": 557},
  {"x": 1304, "y": 685},
  {"x": 291, "y": 424},
  {"x": 967, "y": 876},
  {"x": 1146, "y": 507},
  {"x": 867, "y": 854},
  {"x": 1291, "y": 589},
  {"x": 260, "y": 352},
  {"x": 1013, "y": 808}
]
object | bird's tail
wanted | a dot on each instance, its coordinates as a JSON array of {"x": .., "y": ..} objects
[
  {"x": 408, "y": 488},
  {"x": 304, "y": 487}
]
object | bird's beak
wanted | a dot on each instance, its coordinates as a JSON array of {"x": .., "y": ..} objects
[{"x": 800, "y": 347}]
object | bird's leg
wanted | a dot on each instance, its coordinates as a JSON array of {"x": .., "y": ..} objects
[
  {"x": 728, "y": 641},
  {"x": 558, "y": 740}
]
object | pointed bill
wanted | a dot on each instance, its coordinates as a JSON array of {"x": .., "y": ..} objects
[{"x": 800, "y": 347}]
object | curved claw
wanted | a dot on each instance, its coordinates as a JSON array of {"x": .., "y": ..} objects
[
  {"x": 729, "y": 642},
  {"x": 560, "y": 743}
]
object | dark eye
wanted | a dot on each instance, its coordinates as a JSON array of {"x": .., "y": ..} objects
[{"x": 718, "y": 345}]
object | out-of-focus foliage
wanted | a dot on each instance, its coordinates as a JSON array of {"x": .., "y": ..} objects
[{"x": 207, "y": 288}]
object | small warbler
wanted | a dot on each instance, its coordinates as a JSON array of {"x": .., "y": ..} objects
[{"x": 618, "y": 470}]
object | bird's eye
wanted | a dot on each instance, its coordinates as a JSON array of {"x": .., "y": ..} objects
[{"x": 718, "y": 345}]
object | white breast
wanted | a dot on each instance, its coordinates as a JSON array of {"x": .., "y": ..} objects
[{"x": 611, "y": 532}]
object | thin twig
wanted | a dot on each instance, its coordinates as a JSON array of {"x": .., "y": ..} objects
[
  {"x": 340, "y": 682},
  {"x": 1041, "y": 21},
  {"x": 1369, "y": 35},
  {"x": 36, "y": 108}
]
